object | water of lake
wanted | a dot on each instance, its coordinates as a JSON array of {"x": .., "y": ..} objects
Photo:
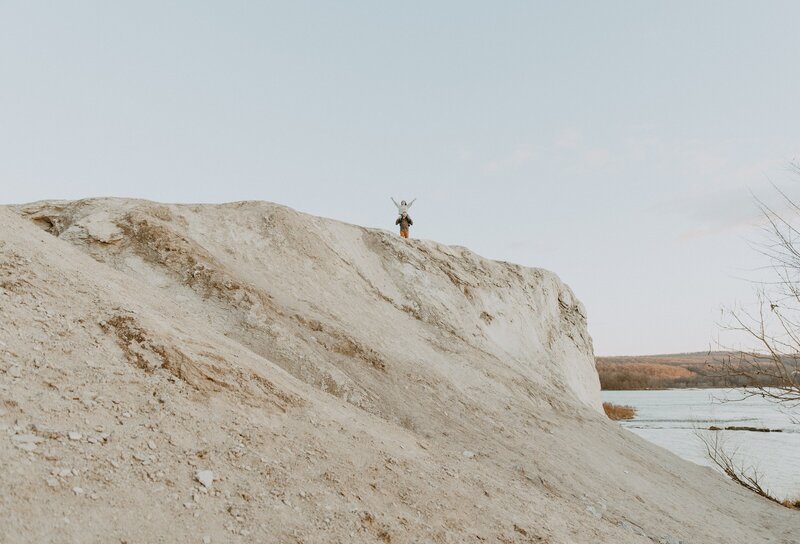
[{"x": 671, "y": 419}]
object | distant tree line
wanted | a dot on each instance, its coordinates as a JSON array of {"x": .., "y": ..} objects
[{"x": 634, "y": 375}]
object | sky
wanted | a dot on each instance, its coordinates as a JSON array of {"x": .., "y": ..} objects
[{"x": 619, "y": 144}]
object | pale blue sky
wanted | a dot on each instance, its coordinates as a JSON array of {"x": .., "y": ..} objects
[{"x": 612, "y": 142}]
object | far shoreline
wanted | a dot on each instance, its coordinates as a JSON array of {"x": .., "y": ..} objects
[{"x": 701, "y": 370}]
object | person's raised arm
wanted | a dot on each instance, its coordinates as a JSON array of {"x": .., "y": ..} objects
[
  {"x": 395, "y": 203},
  {"x": 410, "y": 203}
]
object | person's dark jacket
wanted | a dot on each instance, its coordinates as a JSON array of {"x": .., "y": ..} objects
[{"x": 404, "y": 221}]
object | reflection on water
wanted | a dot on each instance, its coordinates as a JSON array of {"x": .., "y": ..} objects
[{"x": 672, "y": 419}]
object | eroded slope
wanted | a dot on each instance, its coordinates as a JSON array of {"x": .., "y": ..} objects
[{"x": 343, "y": 386}]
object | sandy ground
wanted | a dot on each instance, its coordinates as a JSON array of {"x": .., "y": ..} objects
[{"x": 247, "y": 373}]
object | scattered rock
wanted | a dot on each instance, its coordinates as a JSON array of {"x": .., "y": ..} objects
[
  {"x": 15, "y": 372},
  {"x": 468, "y": 454},
  {"x": 27, "y": 438},
  {"x": 151, "y": 444},
  {"x": 205, "y": 477},
  {"x": 53, "y": 482},
  {"x": 74, "y": 435},
  {"x": 77, "y": 490}
]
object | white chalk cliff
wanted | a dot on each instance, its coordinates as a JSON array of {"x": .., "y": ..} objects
[{"x": 341, "y": 384}]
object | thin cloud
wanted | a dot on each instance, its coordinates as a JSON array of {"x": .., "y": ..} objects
[
  {"x": 523, "y": 154},
  {"x": 568, "y": 138}
]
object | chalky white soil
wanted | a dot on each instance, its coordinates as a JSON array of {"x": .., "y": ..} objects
[{"x": 248, "y": 373}]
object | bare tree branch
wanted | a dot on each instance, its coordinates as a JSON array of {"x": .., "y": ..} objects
[
  {"x": 772, "y": 368},
  {"x": 747, "y": 477}
]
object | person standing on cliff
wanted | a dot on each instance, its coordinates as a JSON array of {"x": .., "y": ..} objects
[{"x": 405, "y": 222}]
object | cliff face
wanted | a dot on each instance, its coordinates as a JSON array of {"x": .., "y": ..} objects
[
  {"x": 347, "y": 309},
  {"x": 341, "y": 383}
]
